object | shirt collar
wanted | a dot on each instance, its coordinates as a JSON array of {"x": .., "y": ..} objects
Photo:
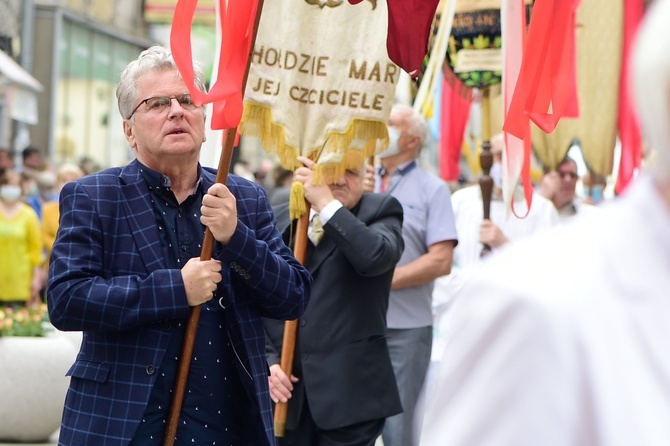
[
  {"x": 406, "y": 167},
  {"x": 159, "y": 182},
  {"x": 400, "y": 170}
]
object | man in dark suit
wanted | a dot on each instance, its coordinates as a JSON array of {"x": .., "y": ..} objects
[
  {"x": 125, "y": 270},
  {"x": 343, "y": 385}
]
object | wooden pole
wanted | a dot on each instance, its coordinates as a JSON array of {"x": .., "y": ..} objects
[
  {"x": 486, "y": 160},
  {"x": 194, "y": 317},
  {"x": 291, "y": 327},
  {"x": 205, "y": 254}
]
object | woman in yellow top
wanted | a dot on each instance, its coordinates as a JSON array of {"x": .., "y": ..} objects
[
  {"x": 21, "y": 258},
  {"x": 50, "y": 211}
]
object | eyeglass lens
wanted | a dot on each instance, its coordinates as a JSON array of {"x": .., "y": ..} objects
[{"x": 159, "y": 103}]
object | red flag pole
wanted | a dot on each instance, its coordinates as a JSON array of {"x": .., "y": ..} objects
[{"x": 205, "y": 254}]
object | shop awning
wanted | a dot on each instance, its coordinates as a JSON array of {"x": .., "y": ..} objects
[
  {"x": 14, "y": 73},
  {"x": 21, "y": 90}
]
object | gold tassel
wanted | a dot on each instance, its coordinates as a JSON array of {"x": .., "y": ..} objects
[
  {"x": 257, "y": 120},
  {"x": 297, "y": 206}
]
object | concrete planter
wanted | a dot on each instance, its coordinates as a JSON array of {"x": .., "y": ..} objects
[{"x": 33, "y": 385}]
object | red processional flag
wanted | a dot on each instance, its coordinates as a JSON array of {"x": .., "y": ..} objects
[
  {"x": 237, "y": 27},
  {"x": 517, "y": 151},
  {"x": 409, "y": 26},
  {"x": 629, "y": 130},
  {"x": 455, "y": 104}
]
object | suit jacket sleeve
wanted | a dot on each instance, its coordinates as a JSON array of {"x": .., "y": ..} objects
[
  {"x": 96, "y": 281},
  {"x": 372, "y": 240},
  {"x": 264, "y": 267}
]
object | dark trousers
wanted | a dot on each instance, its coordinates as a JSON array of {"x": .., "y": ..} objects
[{"x": 307, "y": 433}]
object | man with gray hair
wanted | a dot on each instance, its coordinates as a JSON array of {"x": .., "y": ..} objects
[
  {"x": 429, "y": 233},
  {"x": 126, "y": 269},
  {"x": 563, "y": 337},
  {"x": 6, "y": 160}
]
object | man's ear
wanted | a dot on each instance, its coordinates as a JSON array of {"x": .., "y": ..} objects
[
  {"x": 414, "y": 142},
  {"x": 129, "y": 132}
]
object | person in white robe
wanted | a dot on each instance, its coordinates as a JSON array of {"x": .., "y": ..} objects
[{"x": 563, "y": 337}]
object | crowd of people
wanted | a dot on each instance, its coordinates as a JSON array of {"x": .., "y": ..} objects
[
  {"x": 28, "y": 223},
  {"x": 408, "y": 331}
]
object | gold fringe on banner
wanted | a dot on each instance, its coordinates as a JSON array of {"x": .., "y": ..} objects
[
  {"x": 341, "y": 151},
  {"x": 257, "y": 121},
  {"x": 339, "y": 148},
  {"x": 328, "y": 173}
]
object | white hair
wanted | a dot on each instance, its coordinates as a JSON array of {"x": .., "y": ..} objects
[
  {"x": 416, "y": 124},
  {"x": 650, "y": 77},
  {"x": 155, "y": 58}
]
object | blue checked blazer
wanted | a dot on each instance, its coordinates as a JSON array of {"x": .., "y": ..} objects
[{"x": 108, "y": 278}]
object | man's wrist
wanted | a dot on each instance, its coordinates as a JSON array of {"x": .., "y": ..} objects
[{"x": 329, "y": 210}]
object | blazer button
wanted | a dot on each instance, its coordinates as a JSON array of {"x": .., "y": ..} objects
[
  {"x": 305, "y": 356},
  {"x": 151, "y": 369},
  {"x": 303, "y": 322}
]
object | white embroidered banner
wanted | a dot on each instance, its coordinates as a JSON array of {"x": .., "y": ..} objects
[{"x": 321, "y": 83}]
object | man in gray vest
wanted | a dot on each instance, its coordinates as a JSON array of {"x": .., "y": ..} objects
[{"x": 429, "y": 233}]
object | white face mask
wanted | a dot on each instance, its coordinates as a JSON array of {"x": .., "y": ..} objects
[
  {"x": 393, "y": 149},
  {"x": 595, "y": 192},
  {"x": 10, "y": 193}
]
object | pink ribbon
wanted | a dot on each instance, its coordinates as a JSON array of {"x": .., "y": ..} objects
[
  {"x": 547, "y": 76},
  {"x": 517, "y": 150},
  {"x": 629, "y": 130}
]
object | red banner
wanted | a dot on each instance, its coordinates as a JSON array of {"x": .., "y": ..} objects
[{"x": 237, "y": 24}]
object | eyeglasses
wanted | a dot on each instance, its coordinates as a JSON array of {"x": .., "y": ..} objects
[
  {"x": 159, "y": 104},
  {"x": 571, "y": 175}
]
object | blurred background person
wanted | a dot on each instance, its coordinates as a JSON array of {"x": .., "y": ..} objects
[
  {"x": 6, "y": 160},
  {"x": 474, "y": 232},
  {"x": 280, "y": 190},
  {"x": 263, "y": 172},
  {"x": 50, "y": 212},
  {"x": 430, "y": 236},
  {"x": 559, "y": 187},
  {"x": 594, "y": 186},
  {"x": 21, "y": 276},
  {"x": 88, "y": 165},
  {"x": 31, "y": 160},
  {"x": 39, "y": 189}
]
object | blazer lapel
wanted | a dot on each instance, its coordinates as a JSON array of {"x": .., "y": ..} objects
[
  {"x": 141, "y": 217},
  {"x": 317, "y": 255}
]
